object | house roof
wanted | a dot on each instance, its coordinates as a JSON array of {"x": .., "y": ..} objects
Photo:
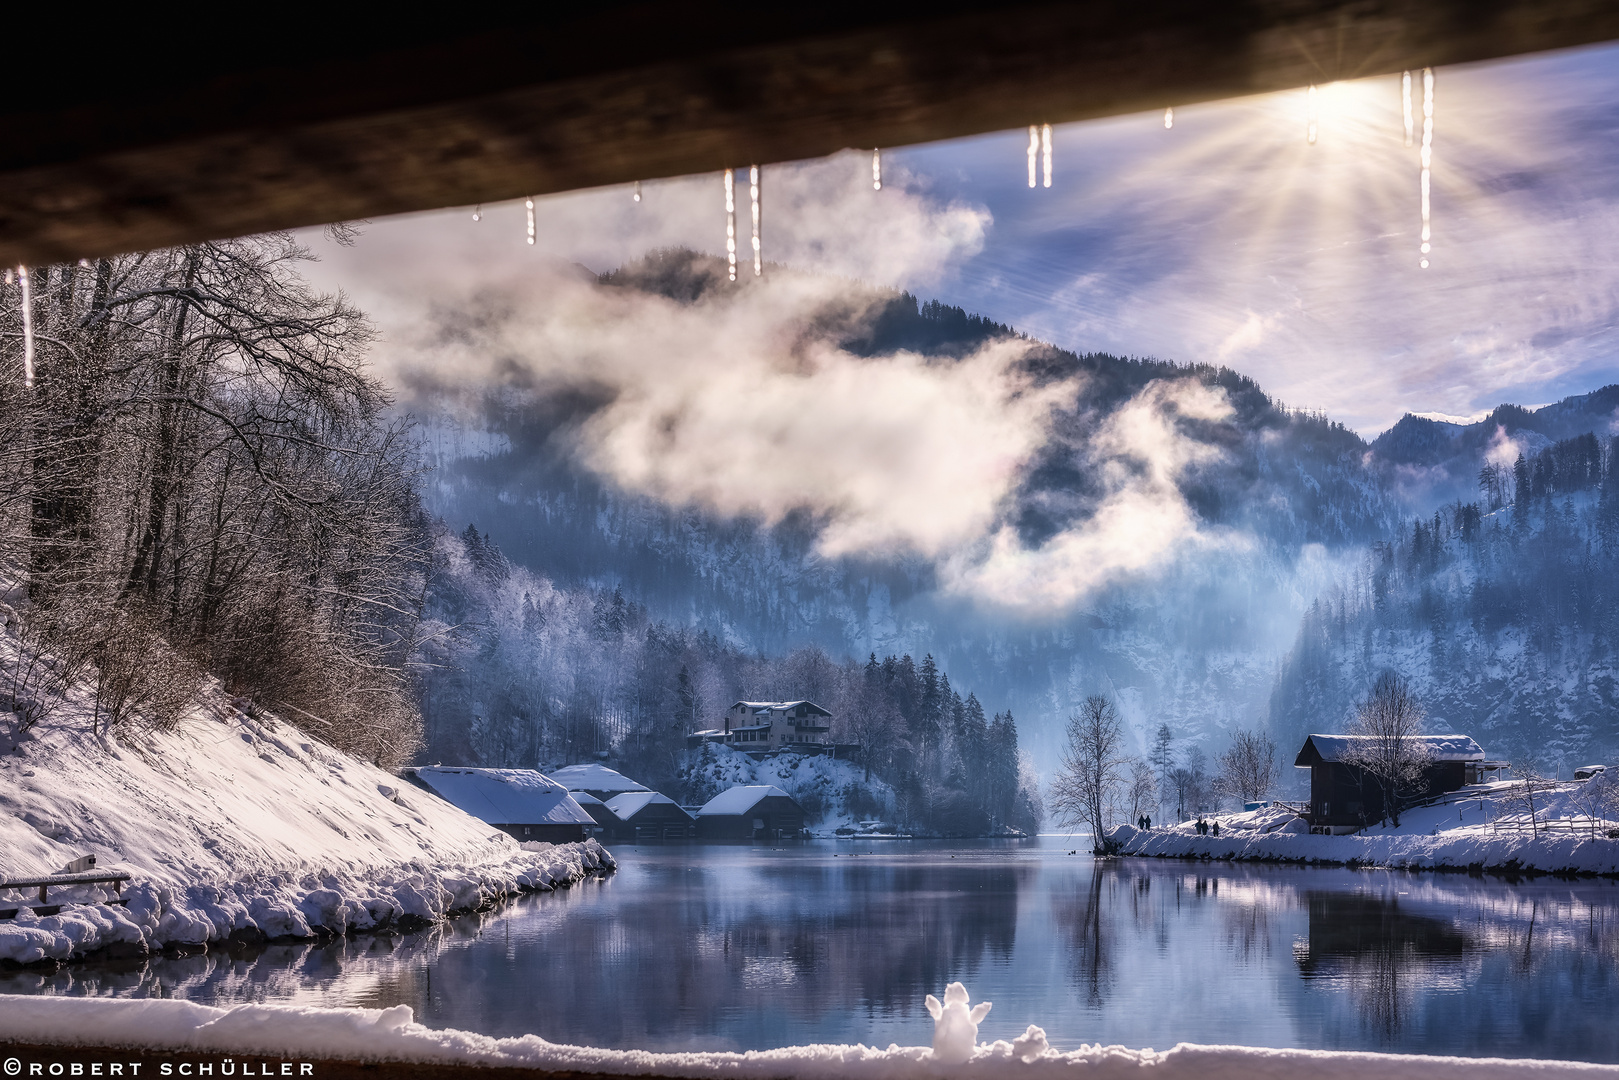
[
  {"x": 782, "y": 706},
  {"x": 1318, "y": 748},
  {"x": 631, "y": 803},
  {"x": 505, "y": 796},
  {"x": 740, "y": 799},
  {"x": 593, "y": 777}
]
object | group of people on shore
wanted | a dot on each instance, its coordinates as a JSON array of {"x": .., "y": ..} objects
[
  {"x": 1144, "y": 822},
  {"x": 1205, "y": 828}
]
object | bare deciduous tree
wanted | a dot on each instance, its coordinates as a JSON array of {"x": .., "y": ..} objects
[
  {"x": 1248, "y": 767},
  {"x": 1387, "y": 741},
  {"x": 1092, "y": 771},
  {"x": 1143, "y": 788}
]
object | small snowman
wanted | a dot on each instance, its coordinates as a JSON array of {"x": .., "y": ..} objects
[{"x": 955, "y": 1027}]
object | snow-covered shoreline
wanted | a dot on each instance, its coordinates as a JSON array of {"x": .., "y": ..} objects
[
  {"x": 392, "y": 1036},
  {"x": 1449, "y": 836},
  {"x": 236, "y": 828}
]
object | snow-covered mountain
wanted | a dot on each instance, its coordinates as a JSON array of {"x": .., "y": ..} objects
[{"x": 1286, "y": 504}]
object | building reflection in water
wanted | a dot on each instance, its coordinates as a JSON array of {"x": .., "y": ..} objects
[{"x": 1382, "y": 951}]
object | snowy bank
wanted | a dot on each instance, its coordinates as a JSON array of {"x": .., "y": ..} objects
[
  {"x": 391, "y": 1035},
  {"x": 1475, "y": 829},
  {"x": 239, "y": 829}
]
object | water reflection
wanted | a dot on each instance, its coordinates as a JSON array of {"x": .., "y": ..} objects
[{"x": 741, "y": 947}]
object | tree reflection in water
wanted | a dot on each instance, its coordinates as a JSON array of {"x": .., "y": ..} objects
[{"x": 752, "y": 947}]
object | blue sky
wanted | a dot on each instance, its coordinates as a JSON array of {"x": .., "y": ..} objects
[{"x": 1225, "y": 239}]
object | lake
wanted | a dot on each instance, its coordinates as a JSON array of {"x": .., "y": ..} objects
[{"x": 694, "y": 946}]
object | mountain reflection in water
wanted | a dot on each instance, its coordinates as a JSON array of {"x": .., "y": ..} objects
[{"x": 695, "y": 946}]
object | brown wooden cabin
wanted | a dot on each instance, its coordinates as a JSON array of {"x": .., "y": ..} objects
[
  {"x": 649, "y": 815},
  {"x": 750, "y": 812},
  {"x": 1345, "y": 799}
]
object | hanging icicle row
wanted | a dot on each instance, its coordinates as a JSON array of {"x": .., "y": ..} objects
[
  {"x": 758, "y": 251},
  {"x": 1034, "y": 151},
  {"x": 27, "y": 328},
  {"x": 1427, "y": 158},
  {"x": 1045, "y": 153},
  {"x": 1405, "y": 106},
  {"x": 1313, "y": 119},
  {"x": 877, "y": 170},
  {"x": 730, "y": 220},
  {"x": 529, "y": 203}
]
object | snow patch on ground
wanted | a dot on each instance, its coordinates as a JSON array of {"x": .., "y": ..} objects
[
  {"x": 1475, "y": 828},
  {"x": 392, "y": 1035},
  {"x": 231, "y": 826}
]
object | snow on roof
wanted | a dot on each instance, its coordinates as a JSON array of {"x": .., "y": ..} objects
[
  {"x": 506, "y": 796},
  {"x": 780, "y": 706},
  {"x": 593, "y": 777},
  {"x": 740, "y": 799},
  {"x": 631, "y": 803},
  {"x": 1439, "y": 747},
  {"x": 585, "y": 798}
]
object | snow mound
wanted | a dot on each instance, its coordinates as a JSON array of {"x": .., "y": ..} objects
[
  {"x": 232, "y": 827},
  {"x": 392, "y": 1035}
]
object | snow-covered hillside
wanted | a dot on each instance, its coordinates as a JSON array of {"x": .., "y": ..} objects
[
  {"x": 232, "y": 827},
  {"x": 1478, "y": 828}
]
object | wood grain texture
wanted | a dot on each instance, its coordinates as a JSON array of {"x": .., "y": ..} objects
[{"x": 146, "y": 153}]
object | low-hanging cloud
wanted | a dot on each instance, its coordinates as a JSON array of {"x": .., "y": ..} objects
[
  {"x": 743, "y": 403},
  {"x": 736, "y": 405},
  {"x": 1141, "y": 521}
]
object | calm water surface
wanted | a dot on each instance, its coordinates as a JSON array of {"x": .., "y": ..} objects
[{"x": 742, "y": 947}]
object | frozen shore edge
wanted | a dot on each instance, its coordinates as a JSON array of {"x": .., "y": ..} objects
[
  {"x": 392, "y": 1035},
  {"x": 1561, "y": 854},
  {"x": 308, "y": 906}
]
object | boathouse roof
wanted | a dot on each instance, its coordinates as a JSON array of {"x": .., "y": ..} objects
[
  {"x": 1324, "y": 748},
  {"x": 740, "y": 799},
  {"x": 504, "y": 796}
]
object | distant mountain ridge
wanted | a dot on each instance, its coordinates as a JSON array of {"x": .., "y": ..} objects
[{"x": 1196, "y": 646}]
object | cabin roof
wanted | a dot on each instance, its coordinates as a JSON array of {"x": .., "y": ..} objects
[
  {"x": 505, "y": 796},
  {"x": 740, "y": 799},
  {"x": 593, "y": 777},
  {"x": 781, "y": 706},
  {"x": 1324, "y": 748},
  {"x": 631, "y": 803}
]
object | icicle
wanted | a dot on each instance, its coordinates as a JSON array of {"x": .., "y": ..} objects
[
  {"x": 9, "y": 277},
  {"x": 758, "y": 255},
  {"x": 1034, "y": 150},
  {"x": 477, "y": 212},
  {"x": 529, "y": 203},
  {"x": 84, "y": 264},
  {"x": 730, "y": 219},
  {"x": 1313, "y": 122},
  {"x": 27, "y": 329},
  {"x": 1045, "y": 152},
  {"x": 1405, "y": 102},
  {"x": 637, "y": 195},
  {"x": 1169, "y": 118},
  {"x": 1427, "y": 157},
  {"x": 877, "y": 170}
]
